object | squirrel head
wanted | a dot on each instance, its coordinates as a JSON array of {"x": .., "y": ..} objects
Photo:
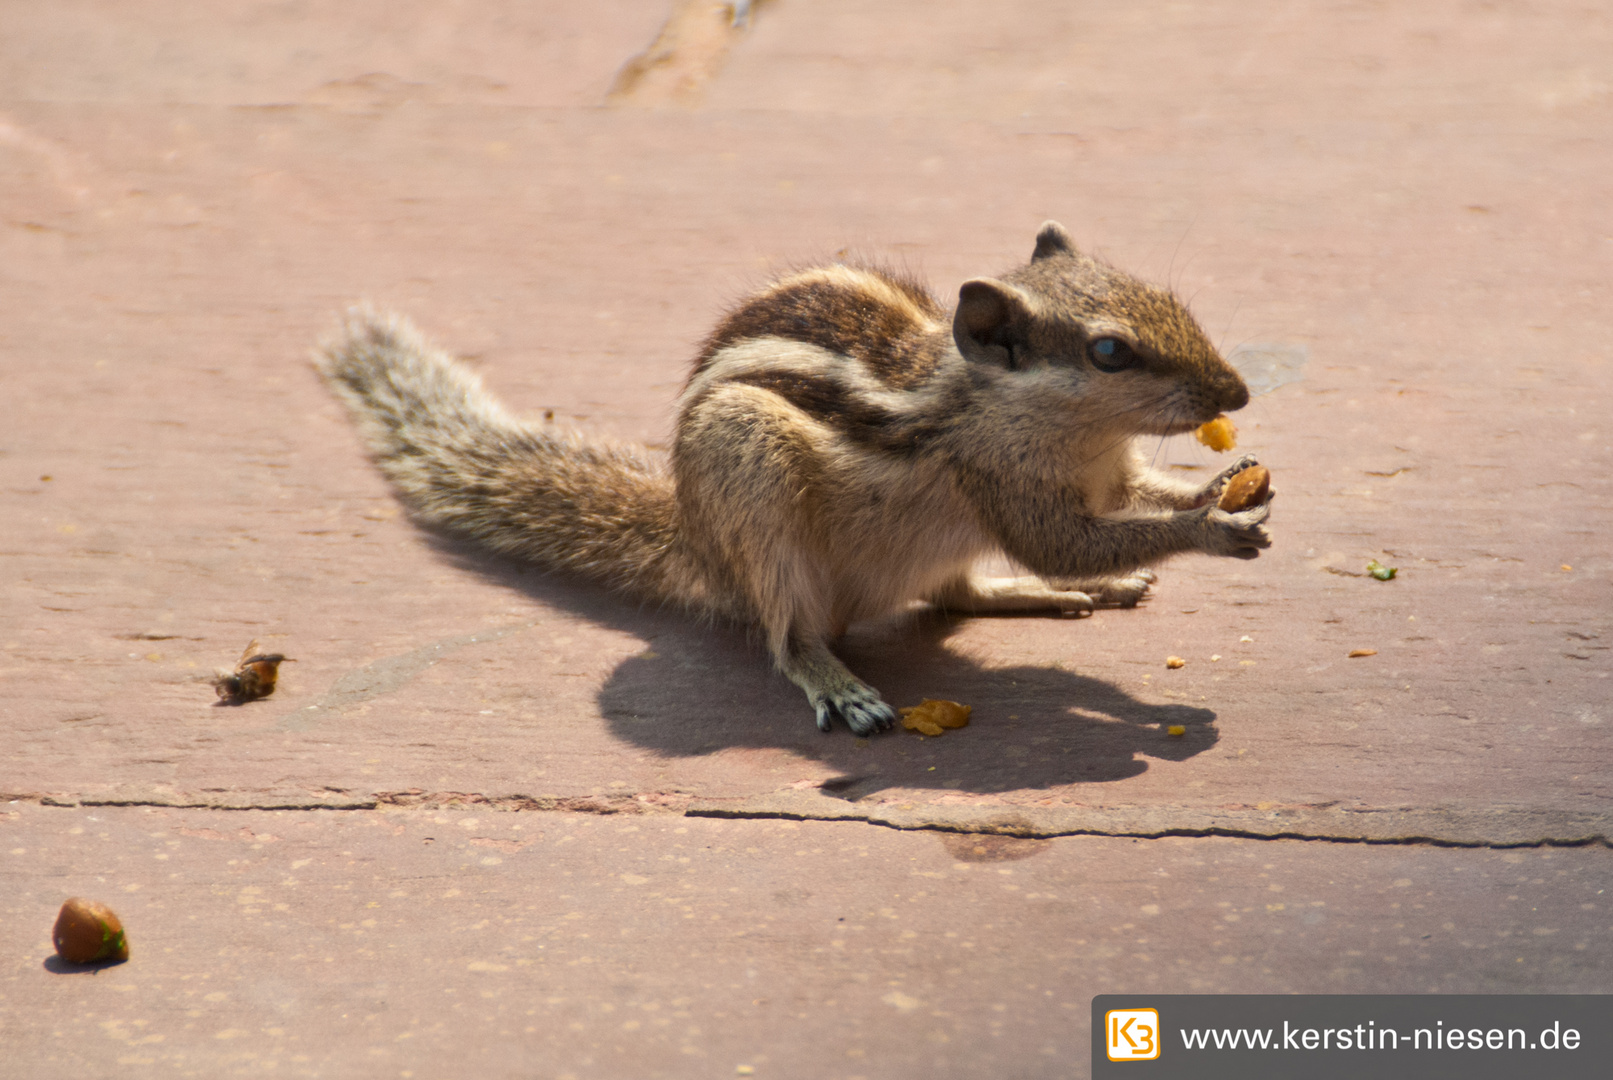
[{"x": 1109, "y": 337}]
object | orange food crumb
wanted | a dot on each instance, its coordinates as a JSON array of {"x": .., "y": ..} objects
[
  {"x": 1176, "y": 729},
  {"x": 931, "y": 716},
  {"x": 1219, "y": 434},
  {"x": 1175, "y": 662}
]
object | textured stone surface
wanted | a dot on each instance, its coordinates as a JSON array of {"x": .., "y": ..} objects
[
  {"x": 1414, "y": 200},
  {"x": 436, "y": 941},
  {"x": 205, "y": 490}
]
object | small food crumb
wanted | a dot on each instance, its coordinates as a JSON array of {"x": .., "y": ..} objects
[
  {"x": 1176, "y": 729},
  {"x": 87, "y": 931},
  {"x": 1246, "y": 637},
  {"x": 1363, "y": 652},
  {"x": 1214, "y": 657},
  {"x": 744, "y": 1070},
  {"x": 1380, "y": 571},
  {"x": 1219, "y": 434},
  {"x": 1175, "y": 662},
  {"x": 932, "y": 716},
  {"x": 1565, "y": 567}
]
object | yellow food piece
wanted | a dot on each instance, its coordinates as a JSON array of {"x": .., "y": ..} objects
[
  {"x": 930, "y": 716},
  {"x": 1363, "y": 652},
  {"x": 1176, "y": 729},
  {"x": 1175, "y": 662},
  {"x": 1219, "y": 434}
]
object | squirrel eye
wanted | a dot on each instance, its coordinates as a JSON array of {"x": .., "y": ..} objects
[{"x": 1111, "y": 354}]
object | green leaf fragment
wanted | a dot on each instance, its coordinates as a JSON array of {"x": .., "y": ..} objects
[
  {"x": 1380, "y": 571},
  {"x": 111, "y": 944}
]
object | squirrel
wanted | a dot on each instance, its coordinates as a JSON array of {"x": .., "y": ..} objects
[{"x": 843, "y": 449}]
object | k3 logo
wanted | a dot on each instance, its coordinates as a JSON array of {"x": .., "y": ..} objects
[{"x": 1131, "y": 1034}]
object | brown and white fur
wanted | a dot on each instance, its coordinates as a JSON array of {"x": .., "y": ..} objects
[{"x": 845, "y": 447}]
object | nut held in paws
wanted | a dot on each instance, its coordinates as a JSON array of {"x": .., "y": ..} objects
[
  {"x": 1248, "y": 488},
  {"x": 87, "y": 931}
]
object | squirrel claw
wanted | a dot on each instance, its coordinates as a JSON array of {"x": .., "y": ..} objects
[
  {"x": 863, "y": 717},
  {"x": 1212, "y": 491},
  {"x": 1239, "y": 534}
]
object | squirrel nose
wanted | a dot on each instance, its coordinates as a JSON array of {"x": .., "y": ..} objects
[{"x": 1234, "y": 394}]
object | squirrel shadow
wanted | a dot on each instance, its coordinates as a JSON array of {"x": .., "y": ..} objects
[
  {"x": 700, "y": 689},
  {"x": 1032, "y": 727}
]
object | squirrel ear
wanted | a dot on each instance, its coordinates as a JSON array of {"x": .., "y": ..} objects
[
  {"x": 1052, "y": 240},
  {"x": 984, "y": 327}
]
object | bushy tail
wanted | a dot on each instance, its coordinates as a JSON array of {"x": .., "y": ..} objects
[{"x": 462, "y": 463}]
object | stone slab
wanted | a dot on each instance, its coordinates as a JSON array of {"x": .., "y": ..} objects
[
  {"x": 456, "y": 835},
  {"x": 218, "y": 495},
  {"x": 175, "y": 242},
  {"x": 437, "y": 941}
]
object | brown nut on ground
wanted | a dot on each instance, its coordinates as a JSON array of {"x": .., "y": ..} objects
[
  {"x": 1246, "y": 489},
  {"x": 87, "y": 931}
]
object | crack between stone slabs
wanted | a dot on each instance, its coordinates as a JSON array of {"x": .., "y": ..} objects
[
  {"x": 408, "y": 800},
  {"x": 70, "y": 802},
  {"x": 1162, "y": 834},
  {"x": 679, "y": 805},
  {"x": 1450, "y": 826}
]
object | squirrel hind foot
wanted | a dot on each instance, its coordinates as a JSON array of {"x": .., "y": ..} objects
[
  {"x": 862, "y": 710},
  {"x": 1125, "y": 592},
  {"x": 835, "y": 693},
  {"x": 1119, "y": 590}
]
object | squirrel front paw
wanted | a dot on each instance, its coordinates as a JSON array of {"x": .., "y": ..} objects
[{"x": 1240, "y": 535}]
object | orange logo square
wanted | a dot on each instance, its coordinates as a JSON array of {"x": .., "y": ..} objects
[{"x": 1131, "y": 1034}]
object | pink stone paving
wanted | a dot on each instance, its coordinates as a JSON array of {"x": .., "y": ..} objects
[{"x": 1412, "y": 202}]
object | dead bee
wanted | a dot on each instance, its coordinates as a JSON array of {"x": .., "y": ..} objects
[{"x": 253, "y": 678}]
